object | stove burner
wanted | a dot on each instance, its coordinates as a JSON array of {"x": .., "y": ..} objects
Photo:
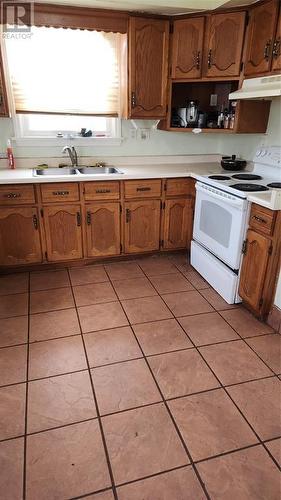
[
  {"x": 249, "y": 187},
  {"x": 247, "y": 177},
  {"x": 219, "y": 177},
  {"x": 275, "y": 185}
]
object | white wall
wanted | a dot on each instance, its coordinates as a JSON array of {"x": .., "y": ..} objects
[{"x": 277, "y": 300}]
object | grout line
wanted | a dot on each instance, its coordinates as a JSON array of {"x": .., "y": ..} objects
[{"x": 26, "y": 396}]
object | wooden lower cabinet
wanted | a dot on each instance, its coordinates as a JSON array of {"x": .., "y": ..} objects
[
  {"x": 63, "y": 232},
  {"x": 254, "y": 268},
  {"x": 142, "y": 226},
  {"x": 178, "y": 221},
  {"x": 103, "y": 229},
  {"x": 20, "y": 241}
]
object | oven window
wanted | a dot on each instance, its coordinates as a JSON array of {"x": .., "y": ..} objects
[{"x": 215, "y": 222}]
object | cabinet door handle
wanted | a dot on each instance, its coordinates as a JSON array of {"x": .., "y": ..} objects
[
  {"x": 60, "y": 193},
  {"x": 133, "y": 100},
  {"x": 198, "y": 60},
  {"x": 78, "y": 218},
  {"x": 267, "y": 50},
  {"x": 144, "y": 189},
  {"x": 12, "y": 195},
  {"x": 259, "y": 219},
  {"x": 276, "y": 48},
  {"x": 35, "y": 221},
  {"x": 210, "y": 58},
  {"x": 128, "y": 215},
  {"x": 89, "y": 218}
]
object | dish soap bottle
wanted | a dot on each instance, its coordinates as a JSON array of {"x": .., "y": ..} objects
[{"x": 10, "y": 156}]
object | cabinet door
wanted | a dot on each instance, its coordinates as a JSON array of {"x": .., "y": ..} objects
[
  {"x": 103, "y": 229},
  {"x": 187, "y": 48},
  {"x": 3, "y": 94},
  {"x": 20, "y": 241},
  {"x": 254, "y": 268},
  {"x": 177, "y": 223},
  {"x": 142, "y": 226},
  {"x": 63, "y": 232},
  {"x": 224, "y": 52},
  {"x": 260, "y": 38},
  {"x": 148, "y": 67},
  {"x": 276, "y": 51}
]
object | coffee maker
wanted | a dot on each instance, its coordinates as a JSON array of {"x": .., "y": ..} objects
[{"x": 186, "y": 117}]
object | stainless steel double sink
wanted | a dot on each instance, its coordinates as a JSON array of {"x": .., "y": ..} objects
[{"x": 59, "y": 171}]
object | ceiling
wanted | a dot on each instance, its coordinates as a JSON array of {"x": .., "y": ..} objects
[{"x": 168, "y": 7}]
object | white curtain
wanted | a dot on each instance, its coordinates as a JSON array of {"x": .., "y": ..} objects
[{"x": 62, "y": 70}]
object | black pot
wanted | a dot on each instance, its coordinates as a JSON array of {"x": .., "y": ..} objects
[{"x": 233, "y": 163}]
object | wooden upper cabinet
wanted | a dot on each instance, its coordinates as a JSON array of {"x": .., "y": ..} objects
[
  {"x": 20, "y": 241},
  {"x": 224, "y": 45},
  {"x": 148, "y": 67},
  {"x": 260, "y": 38},
  {"x": 142, "y": 226},
  {"x": 178, "y": 222},
  {"x": 276, "y": 50},
  {"x": 4, "y": 111},
  {"x": 254, "y": 269},
  {"x": 63, "y": 232},
  {"x": 187, "y": 51},
  {"x": 103, "y": 229}
]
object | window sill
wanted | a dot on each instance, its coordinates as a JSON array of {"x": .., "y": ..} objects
[{"x": 54, "y": 142}]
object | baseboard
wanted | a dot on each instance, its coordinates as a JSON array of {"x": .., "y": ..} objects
[{"x": 274, "y": 318}]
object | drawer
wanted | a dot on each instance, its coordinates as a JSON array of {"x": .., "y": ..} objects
[
  {"x": 262, "y": 219},
  {"x": 17, "y": 194},
  {"x": 101, "y": 190},
  {"x": 143, "y": 189},
  {"x": 61, "y": 191},
  {"x": 179, "y": 187}
]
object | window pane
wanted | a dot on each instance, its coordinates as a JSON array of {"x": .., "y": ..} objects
[{"x": 62, "y": 123}]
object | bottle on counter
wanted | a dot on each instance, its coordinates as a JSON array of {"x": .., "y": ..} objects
[
  {"x": 10, "y": 156},
  {"x": 220, "y": 119}
]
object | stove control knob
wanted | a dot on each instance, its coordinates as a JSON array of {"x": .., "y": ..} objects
[
  {"x": 258, "y": 153},
  {"x": 263, "y": 152}
]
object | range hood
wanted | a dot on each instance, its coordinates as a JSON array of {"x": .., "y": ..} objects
[{"x": 258, "y": 88}]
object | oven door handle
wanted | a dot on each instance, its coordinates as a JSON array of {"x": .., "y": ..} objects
[{"x": 229, "y": 199}]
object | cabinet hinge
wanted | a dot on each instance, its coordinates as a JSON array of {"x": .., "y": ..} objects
[
  {"x": 241, "y": 67},
  {"x": 42, "y": 212},
  {"x": 270, "y": 249},
  {"x": 46, "y": 256},
  {"x": 120, "y": 209},
  {"x": 171, "y": 29},
  {"x": 121, "y": 247},
  {"x": 161, "y": 243},
  {"x": 261, "y": 302},
  {"x": 244, "y": 247}
]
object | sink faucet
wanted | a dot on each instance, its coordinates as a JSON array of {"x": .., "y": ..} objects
[{"x": 72, "y": 154}]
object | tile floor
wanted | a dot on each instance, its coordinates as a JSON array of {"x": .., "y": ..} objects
[{"x": 135, "y": 381}]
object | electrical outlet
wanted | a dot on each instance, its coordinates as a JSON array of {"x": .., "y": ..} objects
[
  {"x": 144, "y": 134},
  {"x": 133, "y": 133},
  {"x": 214, "y": 100}
]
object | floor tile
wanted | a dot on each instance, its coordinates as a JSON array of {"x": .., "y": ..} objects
[
  {"x": 13, "y": 283},
  {"x": 245, "y": 323},
  {"x": 161, "y": 336},
  {"x": 95, "y": 293},
  {"x": 12, "y": 411},
  {"x": 196, "y": 279},
  {"x": 66, "y": 462},
  {"x": 123, "y": 270},
  {"x": 111, "y": 346},
  {"x": 45, "y": 280},
  {"x": 142, "y": 442},
  {"x": 152, "y": 266},
  {"x": 54, "y": 357},
  {"x": 181, "y": 373},
  {"x": 216, "y": 300},
  {"x": 53, "y": 324},
  {"x": 234, "y": 362},
  {"x": 211, "y": 424},
  {"x": 16, "y": 305},
  {"x": 134, "y": 288},
  {"x": 87, "y": 274},
  {"x": 187, "y": 303},
  {"x": 11, "y": 470},
  {"x": 146, "y": 309},
  {"x": 58, "y": 401},
  {"x": 275, "y": 449},
  {"x": 105, "y": 495},
  {"x": 101, "y": 317},
  {"x": 13, "y": 361},
  {"x": 207, "y": 328},
  {"x": 245, "y": 475},
  {"x": 179, "y": 259},
  {"x": 51, "y": 300},
  {"x": 185, "y": 267},
  {"x": 124, "y": 386},
  {"x": 260, "y": 402},
  {"x": 169, "y": 283},
  {"x": 268, "y": 348},
  {"x": 180, "y": 484},
  {"x": 13, "y": 331}
]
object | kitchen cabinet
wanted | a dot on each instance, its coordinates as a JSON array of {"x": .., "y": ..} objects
[
  {"x": 20, "y": 241},
  {"x": 4, "y": 111},
  {"x": 276, "y": 51},
  {"x": 178, "y": 222},
  {"x": 148, "y": 67},
  {"x": 261, "y": 39},
  {"x": 187, "y": 50},
  {"x": 103, "y": 229},
  {"x": 63, "y": 232},
  {"x": 225, "y": 43},
  {"x": 142, "y": 226}
]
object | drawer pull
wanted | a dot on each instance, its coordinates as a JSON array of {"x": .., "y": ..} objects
[
  {"x": 128, "y": 215},
  {"x": 133, "y": 100},
  {"x": 144, "y": 189},
  {"x": 78, "y": 218},
  {"x": 12, "y": 195},
  {"x": 35, "y": 221},
  {"x": 210, "y": 58},
  {"x": 102, "y": 191},
  {"x": 60, "y": 193},
  {"x": 89, "y": 218},
  {"x": 259, "y": 219}
]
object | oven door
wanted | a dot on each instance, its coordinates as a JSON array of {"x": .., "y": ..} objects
[{"x": 219, "y": 223}]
